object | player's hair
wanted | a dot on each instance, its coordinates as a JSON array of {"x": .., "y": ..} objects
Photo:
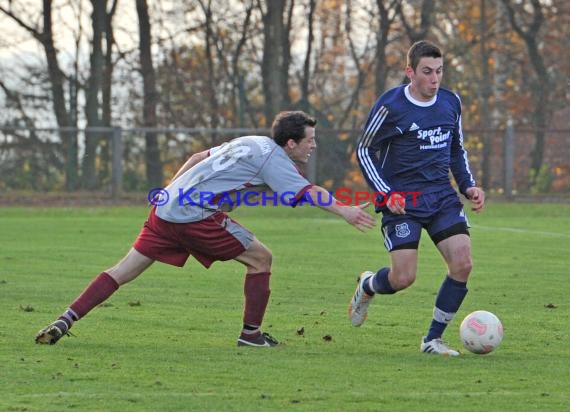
[
  {"x": 290, "y": 125},
  {"x": 422, "y": 48}
]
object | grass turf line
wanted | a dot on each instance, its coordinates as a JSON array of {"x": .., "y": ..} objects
[{"x": 167, "y": 340}]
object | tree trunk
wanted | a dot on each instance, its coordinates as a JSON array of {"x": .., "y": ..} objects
[
  {"x": 154, "y": 173},
  {"x": 107, "y": 89},
  {"x": 381, "y": 44},
  {"x": 485, "y": 94},
  {"x": 92, "y": 105},
  {"x": 276, "y": 59},
  {"x": 211, "y": 80},
  {"x": 68, "y": 138},
  {"x": 426, "y": 20},
  {"x": 542, "y": 88}
]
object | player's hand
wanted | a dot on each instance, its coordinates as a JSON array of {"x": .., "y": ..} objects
[
  {"x": 397, "y": 203},
  {"x": 477, "y": 197},
  {"x": 357, "y": 217}
]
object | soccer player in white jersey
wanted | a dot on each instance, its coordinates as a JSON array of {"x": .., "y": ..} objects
[
  {"x": 410, "y": 142},
  {"x": 194, "y": 220}
]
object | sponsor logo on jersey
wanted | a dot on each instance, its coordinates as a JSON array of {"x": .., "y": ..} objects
[
  {"x": 413, "y": 127},
  {"x": 436, "y": 138}
]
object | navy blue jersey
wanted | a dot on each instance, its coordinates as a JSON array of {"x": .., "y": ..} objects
[{"x": 408, "y": 145}]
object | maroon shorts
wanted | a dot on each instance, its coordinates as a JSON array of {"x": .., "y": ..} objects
[{"x": 218, "y": 237}]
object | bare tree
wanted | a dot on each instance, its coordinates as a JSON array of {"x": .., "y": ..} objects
[
  {"x": 386, "y": 15},
  {"x": 44, "y": 35},
  {"x": 306, "y": 73},
  {"x": 92, "y": 91},
  {"x": 276, "y": 59},
  {"x": 210, "y": 41},
  {"x": 154, "y": 173},
  {"x": 239, "y": 96},
  {"x": 107, "y": 89},
  {"x": 500, "y": 66},
  {"x": 417, "y": 30},
  {"x": 360, "y": 63},
  {"x": 25, "y": 150},
  {"x": 518, "y": 14},
  {"x": 485, "y": 94}
]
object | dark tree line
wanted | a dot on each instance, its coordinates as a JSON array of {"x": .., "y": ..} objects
[{"x": 234, "y": 64}]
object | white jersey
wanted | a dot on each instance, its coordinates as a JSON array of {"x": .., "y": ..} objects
[{"x": 245, "y": 166}]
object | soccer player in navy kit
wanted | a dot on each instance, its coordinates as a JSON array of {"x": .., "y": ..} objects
[
  {"x": 411, "y": 140},
  {"x": 191, "y": 224}
]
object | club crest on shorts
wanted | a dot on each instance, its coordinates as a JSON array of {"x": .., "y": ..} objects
[{"x": 402, "y": 230}]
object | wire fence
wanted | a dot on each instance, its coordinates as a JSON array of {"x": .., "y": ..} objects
[{"x": 47, "y": 160}]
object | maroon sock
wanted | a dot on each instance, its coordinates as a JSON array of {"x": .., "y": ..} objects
[
  {"x": 99, "y": 290},
  {"x": 256, "y": 291}
]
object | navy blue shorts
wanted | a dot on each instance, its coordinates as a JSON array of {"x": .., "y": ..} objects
[{"x": 440, "y": 213}]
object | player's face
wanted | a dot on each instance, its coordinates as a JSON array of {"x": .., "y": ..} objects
[
  {"x": 426, "y": 79},
  {"x": 300, "y": 151}
]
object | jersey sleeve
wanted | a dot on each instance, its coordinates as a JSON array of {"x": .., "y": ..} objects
[
  {"x": 369, "y": 145},
  {"x": 459, "y": 164},
  {"x": 284, "y": 179}
]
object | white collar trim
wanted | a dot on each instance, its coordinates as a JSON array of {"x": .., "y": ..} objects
[{"x": 417, "y": 102}]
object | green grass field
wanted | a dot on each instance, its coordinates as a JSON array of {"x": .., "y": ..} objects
[{"x": 166, "y": 342}]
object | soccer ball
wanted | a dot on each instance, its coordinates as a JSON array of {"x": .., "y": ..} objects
[{"x": 481, "y": 332}]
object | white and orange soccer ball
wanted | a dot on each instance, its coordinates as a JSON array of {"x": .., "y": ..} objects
[{"x": 481, "y": 332}]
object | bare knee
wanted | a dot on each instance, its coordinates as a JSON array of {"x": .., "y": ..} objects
[
  {"x": 456, "y": 251},
  {"x": 265, "y": 261},
  {"x": 460, "y": 268},
  {"x": 403, "y": 268},
  {"x": 257, "y": 258},
  {"x": 460, "y": 263}
]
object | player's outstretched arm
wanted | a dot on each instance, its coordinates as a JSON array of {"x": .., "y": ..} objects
[{"x": 355, "y": 215}]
